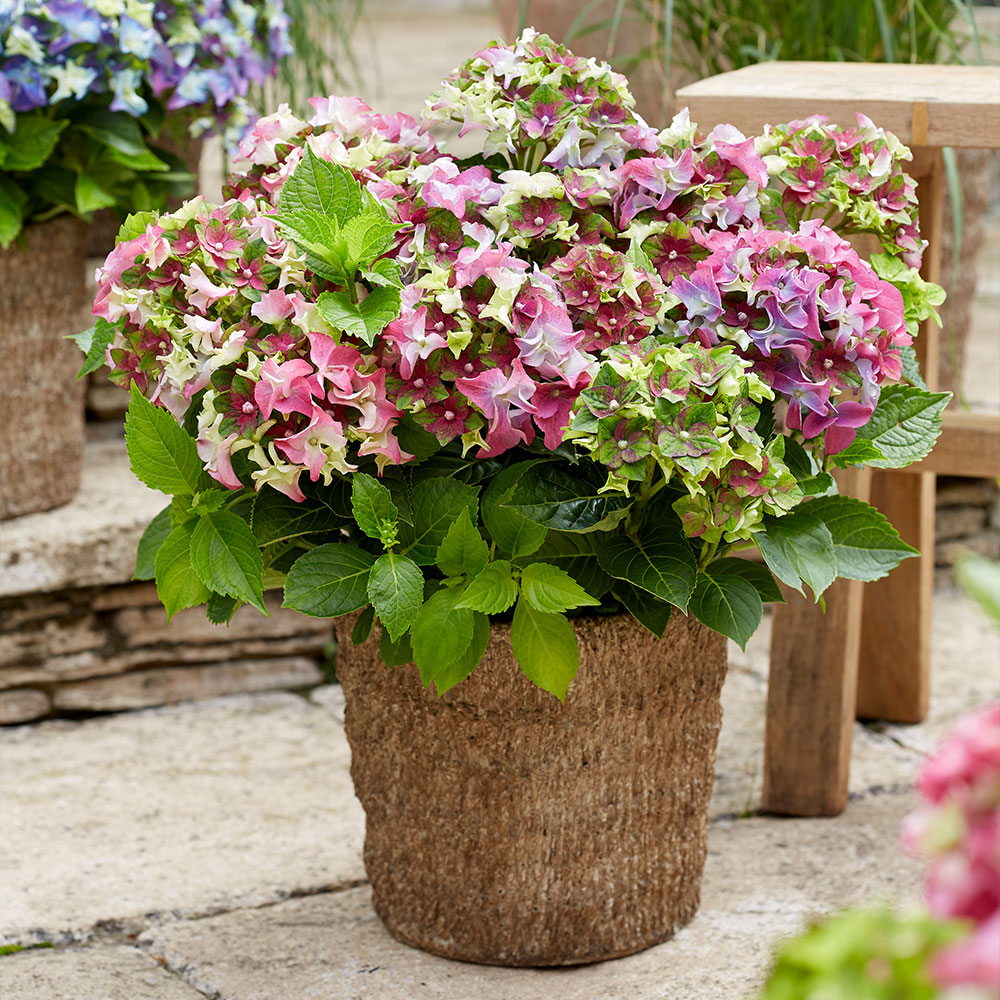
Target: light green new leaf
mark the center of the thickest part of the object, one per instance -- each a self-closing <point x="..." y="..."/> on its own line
<point x="574" y="552"/>
<point x="396" y="589"/>
<point x="329" y="581"/>
<point x="656" y="561"/>
<point x="463" y="549"/>
<point x="364" y="320"/>
<point x="90" y="196"/>
<point x="319" y="186"/>
<point x="177" y="584"/>
<point x="728" y="603"/>
<point x="368" y="236"/>
<point x="492" y="591"/>
<point x="866" y="545"/>
<point x="545" y="647"/>
<point x="225" y="556"/>
<point x="374" y="511"/>
<point x="441" y="633"/>
<point x="10" y="213"/>
<point x="446" y="678"/>
<point x="547" y="588"/>
<point x="153" y="537"/>
<point x="160" y="453"/>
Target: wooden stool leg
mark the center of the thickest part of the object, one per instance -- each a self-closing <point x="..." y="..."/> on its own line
<point x="811" y="691"/>
<point x="894" y="677"/>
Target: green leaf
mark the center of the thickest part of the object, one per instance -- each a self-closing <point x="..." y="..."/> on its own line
<point x="911" y="367"/>
<point x="11" y="219"/>
<point x="565" y="498"/>
<point x="511" y="530"/>
<point x="135" y="225"/>
<point x="160" y="454"/>
<point x="866" y="545"/>
<point x="32" y="142"/>
<point x="114" y="130"/>
<point x="395" y="654"/>
<point x="858" y="452"/>
<point x="152" y="538"/>
<point x="224" y="554"/>
<point x="90" y="196"/>
<point x="368" y="236"/>
<point x="374" y="511"/>
<point x="728" y="603"/>
<point x="220" y="608"/>
<point x="753" y="572"/>
<point x="648" y="611"/>
<point x="145" y="162"/>
<point x="396" y="589"/>
<point x="548" y="588"/>
<point x="545" y="647"/>
<point x="365" y="319"/>
<point x="177" y="584"/>
<point x="319" y="186"/>
<point x="94" y="342"/>
<point x="492" y="591"/>
<point x="277" y="518"/>
<point x="905" y="425"/>
<point x="329" y="581"/>
<point x="363" y="626"/>
<point x="657" y="561"/>
<point x="436" y="504"/>
<point x="574" y="552"/>
<point x="799" y="549"/>
<point x="455" y="673"/>
<point x="463" y="549"/>
<point x="441" y="633"/>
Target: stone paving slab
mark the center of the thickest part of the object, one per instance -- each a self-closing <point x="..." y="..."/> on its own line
<point x="116" y="973"/>
<point x="332" y="946"/>
<point x="186" y="810"/>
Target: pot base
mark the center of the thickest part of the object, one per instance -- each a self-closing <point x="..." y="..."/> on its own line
<point x="507" y="829"/>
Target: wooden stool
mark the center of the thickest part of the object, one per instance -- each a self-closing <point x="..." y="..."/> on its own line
<point x="869" y="656"/>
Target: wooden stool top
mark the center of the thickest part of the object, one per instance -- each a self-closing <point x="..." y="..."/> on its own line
<point x="924" y="105"/>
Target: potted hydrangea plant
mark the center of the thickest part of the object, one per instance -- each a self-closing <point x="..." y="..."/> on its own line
<point x="510" y="419"/>
<point x="88" y="93"/>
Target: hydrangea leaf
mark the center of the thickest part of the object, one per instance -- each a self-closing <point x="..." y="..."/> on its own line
<point x="395" y="654"/>
<point x="548" y="588"/>
<point x="905" y="425"/>
<point x="375" y="513"/>
<point x="220" y="608"/>
<point x="160" y="453"/>
<point x="365" y="319"/>
<point x="567" y="499"/>
<point x="798" y="548"/>
<point x="117" y="131"/>
<point x="153" y="537"/>
<point x="322" y="187"/>
<point x="441" y="633"/>
<point x="278" y="518"/>
<point x="647" y="610"/>
<point x="463" y="549"/>
<point x="753" y="572"/>
<point x="396" y="589"/>
<point x="866" y="545"/>
<point x="575" y="552"/>
<point x="727" y="603"/>
<point x="90" y="196"/>
<point x="177" y="584"/>
<point x="446" y="678"/>
<point x="436" y="503"/>
<point x="363" y="626"/>
<point x="94" y="342"/>
<point x="492" y="591"/>
<point x="11" y="218"/>
<point x="225" y="556"/>
<point x="655" y="560"/>
<point x="545" y="647"/>
<point x="511" y="530"/>
<point x="32" y="142"/>
<point x="329" y="581"/>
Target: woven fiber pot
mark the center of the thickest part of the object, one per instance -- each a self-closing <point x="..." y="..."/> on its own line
<point x="43" y="299"/>
<point x="506" y="828"/>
